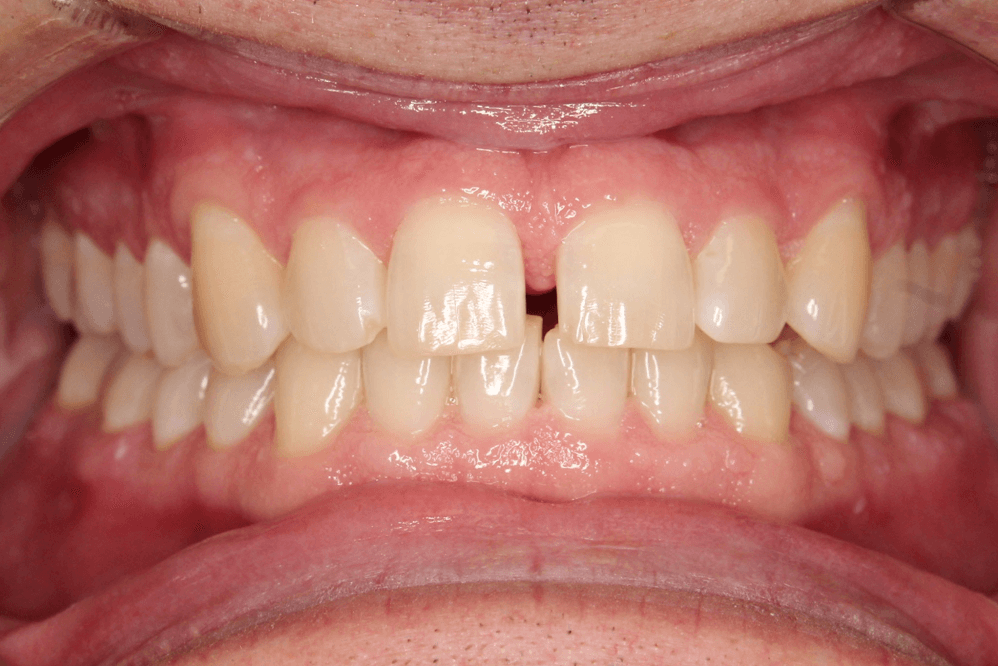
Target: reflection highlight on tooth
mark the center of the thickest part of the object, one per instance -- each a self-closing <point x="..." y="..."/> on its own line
<point x="130" y="395"/>
<point x="84" y="368"/>
<point x="888" y="304"/>
<point x="169" y="305"/>
<point x="585" y="384"/>
<point x="94" y="287"/>
<point x="671" y="386"/>
<point x="129" y="300"/>
<point x="901" y="387"/>
<point x="234" y="405"/>
<point x="179" y="404"/>
<point x="750" y="387"/>
<point x="57" y="268"/>
<point x="819" y="390"/>
<point x="866" y="401"/>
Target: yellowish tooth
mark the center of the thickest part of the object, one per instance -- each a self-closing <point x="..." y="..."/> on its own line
<point x="750" y="386"/>
<point x="179" y="405"/>
<point x="671" y="386"/>
<point x="334" y="288"/>
<point x="586" y="384"/>
<point x="866" y="401"/>
<point x="888" y="304"/>
<point x="130" y="395"/>
<point x="741" y="287"/>
<point x="496" y="389"/>
<point x="169" y="305"/>
<point x="315" y="396"/>
<point x="234" y="405"/>
<point x="129" y="301"/>
<point x="94" y="287"/>
<point x="901" y="386"/>
<point x="84" y="368"/>
<point x="919" y="293"/>
<point x="820" y="391"/>
<point x="237" y="291"/>
<point x="455" y="281"/>
<point x="944" y="264"/>
<point x="969" y="244"/>
<point x="937" y="370"/>
<point x="57" y="269"/>
<point x="829" y="282"/>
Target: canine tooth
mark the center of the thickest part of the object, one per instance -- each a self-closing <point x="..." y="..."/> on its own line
<point x="129" y="279"/>
<point x="741" y="287"/>
<point x="130" y="395"/>
<point x="57" y="269"/>
<point x="919" y="293"/>
<point x="902" y="389"/>
<point x="586" y="384"/>
<point x="237" y="291"/>
<point x="234" y="405"/>
<point x="829" y="282"/>
<point x="866" y="401"/>
<point x="937" y="370"/>
<point x="497" y="389"/>
<point x="334" y="288"/>
<point x="179" y="405"/>
<point x="625" y="280"/>
<point x="455" y="281"/>
<point x="94" y="286"/>
<point x="969" y="244"/>
<point x="169" y="305"/>
<point x="944" y="263"/>
<point x="750" y="386"/>
<point x="671" y="386"/>
<point x="819" y="391"/>
<point x="316" y="393"/>
<point x="404" y="395"/>
<point x="888" y="304"/>
<point x="84" y="369"/>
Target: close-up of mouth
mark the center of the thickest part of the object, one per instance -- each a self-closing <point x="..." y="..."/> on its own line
<point x="502" y="343"/>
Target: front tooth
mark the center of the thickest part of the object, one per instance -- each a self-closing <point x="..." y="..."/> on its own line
<point x="919" y="293"/>
<point x="586" y="384"/>
<point x="969" y="244"/>
<point x="625" y="280"/>
<point x="94" y="286"/>
<point x="404" y="395"/>
<point x="750" y="386"/>
<point x="57" y="269"/>
<point x="84" y="369"/>
<point x="129" y="280"/>
<point x="741" y="287"/>
<point x="234" y="405"/>
<point x="316" y="393"/>
<point x="237" y="291"/>
<point x="819" y="391"/>
<point x="944" y="263"/>
<point x="496" y="389"/>
<point x="129" y="397"/>
<point x="902" y="389"/>
<point x="866" y="401"/>
<point x="937" y="371"/>
<point x="179" y="405"/>
<point x="671" y="386"/>
<point x="829" y="282"/>
<point x="888" y="304"/>
<point x="169" y="305"/>
<point x="455" y="281"/>
<point x="333" y="288"/>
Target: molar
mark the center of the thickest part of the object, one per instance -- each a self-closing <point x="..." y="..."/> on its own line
<point x="888" y="304"/>
<point x="179" y="405"/>
<point x="901" y="386"/>
<point x="234" y="405"/>
<point x="936" y="370"/>
<point x="57" y="268"/>
<point x="671" y="386"/>
<point x="129" y="278"/>
<point x="94" y="287"/>
<point x="586" y="384"/>
<point x="750" y="387"/>
<point x="83" y="370"/>
<point x="919" y="293"/>
<point x="820" y="392"/>
<point x="129" y="397"/>
<point x="169" y="305"/>
<point x="866" y="400"/>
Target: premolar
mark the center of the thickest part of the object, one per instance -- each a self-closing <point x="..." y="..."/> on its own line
<point x="866" y="400"/>
<point x="179" y="405"/>
<point x="57" y="269"/>
<point x="888" y="304"/>
<point x="586" y="384"/>
<point x="750" y="386"/>
<point x="129" y="398"/>
<point x="944" y="264"/>
<point x="671" y="386"/>
<point x="84" y="368"/>
<point x="936" y="370"/>
<point x="169" y="305"/>
<point x="234" y="405"/>
<point x="94" y="287"/>
<point x="902" y="389"/>
<point x="919" y="293"/>
<point x="129" y="303"/>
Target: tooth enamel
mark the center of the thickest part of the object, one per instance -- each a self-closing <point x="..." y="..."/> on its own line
<point x="944" y="263"/>
<point x="496" y="389"/>
<point x="57" y="269"/>
<point x="455" y="281"/>
<point x="234" y="405"/>
<point x="179" y="405"/>
<point x="84" y="369"/>
<point x="333" y="288"/>
<point x="829" y="282"/>
<point x="316" y="394"/>
<point x="750" y="387"/>
<point x="936" y="370"/>
<point x="129" y="304"/>
<point x="237" y="291"/>
<point x="741" y="288"/>
<point x="901" y="387"/>
<point x="919" y="293"/>
<point x="404" y="395"/>
<point x="94" y="287"/>
<point x="130" y="395"/>
<point x="969" y="244"/>
<point x="586" y="384"/>
<point x="671" y="386"/>
<point x="866" y="401"/>
<point x="169" y="305"/>
<point x="888" y="304"/>
<point x="625" y="280"/>
<point x="819" y="391"/>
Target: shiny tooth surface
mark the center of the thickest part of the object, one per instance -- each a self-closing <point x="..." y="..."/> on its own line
<point x="625" y="280"/>
<point x="84" y="369"/>
<point x="496" y="389"/>
<point x="919" y="293"/>
<point x="315" y="395"/>
<point x="237" y="291"/>
<point x="866" y="400"/>
<point x="829" y="282"/>
<point x="819" y="390"/>
<point x="234" y="405"/>
<point x="169" y="305"/>
<point x="57" y="269"/>
<point x="750" y="386"/>
<point x="404" y="395"/>
<point x="936" y="370"/>
<point x="129" y="301"/>
<point x="741" y="287"/>
<point x="888" y="304"/>
<point x="179" y="404"/>
<point x="94" y="287"/>
<point x="671" y="386"/>
<point x="944" y="263"/>
<point x="334" y="288"/>
<point x="901" y="386"/>
<point x="130" y="395"/>
<point x="455" y="281"/>
<point x="969" y="244"/>
<point x="586" y="384"/>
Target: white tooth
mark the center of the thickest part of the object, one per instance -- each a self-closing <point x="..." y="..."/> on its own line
<point x="315" y="396"/>
<point x="234" y="405"/>
<point x="404" y="395"/>
<point x="586" y="384"/>
<point x="866" y="401"/>
<point x="944" y="264"/>
<point x="937" y="370"/>
<point x="671" y="386"/>
<point x="129" y="282"/>
<point x="94" y="287"/>
<point x="902" y="389"/>
<point x="237" y="291"/>
<point x="57" y="269"/>
<point x="179" y="405"/>
<point x="750" y="386"/>
<point x="455" y="281"/>
<point x="625" y="280"/>
<point x="496" y="389"/>
<point x="334" y="288"/>
<point x="829" y="282"/>
<point x="969" y="244"/>
<point x="741" y="287"/>
<point x="888" y="304"/>
<point x="84" y="369"/>
<point x="169" y="305"/>
<point x="819" y="391"/>
<point x="919" y="293"/>
<point x="130" y="394"/>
